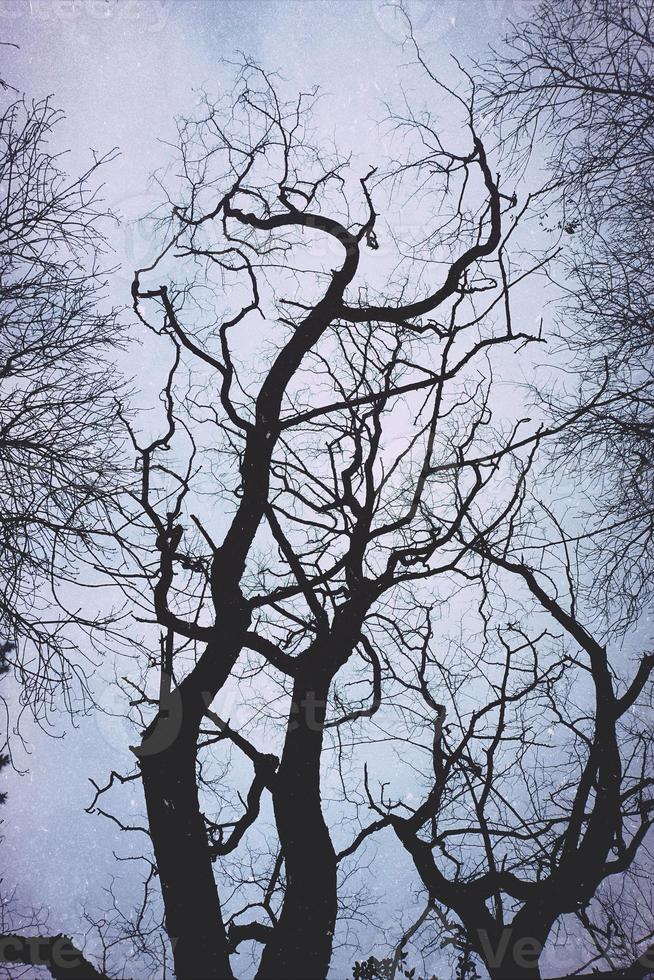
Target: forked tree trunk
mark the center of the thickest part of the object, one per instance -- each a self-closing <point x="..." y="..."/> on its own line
<point x="514" y="953"/>
<point x="509" y="969"/>
<point x="301" y="945"/>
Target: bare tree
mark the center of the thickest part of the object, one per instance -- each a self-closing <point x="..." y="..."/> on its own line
<point x="57" y="444"/>
<point x="577" y="79"/>
<point x="577" y="75"/>
<point x="541" y="788"/>
<point x="332" y="470"/>
<point x="329" y="518"/>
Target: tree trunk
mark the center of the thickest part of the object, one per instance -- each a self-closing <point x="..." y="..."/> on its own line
<point x="301" y="945"/>
<point x="193" y="916"/>
<point x="510" y="970"/>
<point x="167" y="756"/>
<point x="510" y="953"/>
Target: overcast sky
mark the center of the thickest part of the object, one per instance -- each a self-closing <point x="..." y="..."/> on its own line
<point x="122" y="70"/>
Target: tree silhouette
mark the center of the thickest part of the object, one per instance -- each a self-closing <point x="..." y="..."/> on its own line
<point x="541" y="789"/>
<point x="336" y="532"/>
<point x="56" y="434"/>
<point x="576" y="79"/>
<point x="330" y="519"/>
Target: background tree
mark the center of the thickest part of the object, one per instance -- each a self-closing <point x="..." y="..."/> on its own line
<point x="57" y="443"/>
<point x="57" y="446"/>
<point x="542" y="781"/>
<point x="577" y="79"/>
